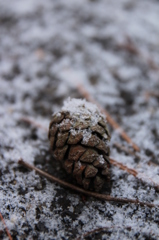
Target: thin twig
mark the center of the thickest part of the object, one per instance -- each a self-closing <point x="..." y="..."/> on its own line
<point x="121" y="166"/>
<point x="112" y="122"/>
<point x="151" y="163"/>
<point x="91" y="194"/>
<point x="129" y="46"/>
<point x="104" y="229"/>
<point x="124" y="149"/>
<point x="133" y="172"/>
<point x="7" y="231"/>
<point x="151" y="94"/>
<point x="30" y="121"/>
<point x="97" y="230"/>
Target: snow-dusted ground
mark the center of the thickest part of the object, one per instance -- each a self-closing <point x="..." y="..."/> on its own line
<point x="46" y="47"/>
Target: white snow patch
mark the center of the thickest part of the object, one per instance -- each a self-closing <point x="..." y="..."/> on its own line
<point x="83" y="109"/>
<point x="101" y="159"/>
<point x="86" y="136"/>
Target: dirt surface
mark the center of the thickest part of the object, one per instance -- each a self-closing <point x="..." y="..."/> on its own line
<point x="46" y="48"/>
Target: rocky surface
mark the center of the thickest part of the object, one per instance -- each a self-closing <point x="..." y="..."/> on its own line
<point x="46" y="48"/>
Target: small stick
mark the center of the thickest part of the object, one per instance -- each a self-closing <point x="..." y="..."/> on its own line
<point x="151" y="94"/>
<point x="98" y="230"/>
<point x="152" y="163"/>
<point x="7" y="231"/>
<point x="123" y="167"/>
<point x="28" y="120"/>
<point x="129" y="46"/>
<point x="91" y="194"/>
<point x="113" y="123"/>
<point x="133" y="172"/>
<point x="124" y="149"/>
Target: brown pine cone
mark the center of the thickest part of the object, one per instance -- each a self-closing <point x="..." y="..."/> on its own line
<point x="79" y="140"/>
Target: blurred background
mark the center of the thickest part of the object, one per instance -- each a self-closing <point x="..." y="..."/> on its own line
<point x="48" y="48"/>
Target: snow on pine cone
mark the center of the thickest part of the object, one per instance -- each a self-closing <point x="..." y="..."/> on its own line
<point x="79" y="140"/>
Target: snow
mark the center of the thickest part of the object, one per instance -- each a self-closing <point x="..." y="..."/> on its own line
<point x="101" y="159"/>
<point x="47" y="49"/>
<point x="80" y="108"/>
<point x="86" y="136"/>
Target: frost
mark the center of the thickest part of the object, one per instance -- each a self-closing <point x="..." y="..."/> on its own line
<point x="101" y="159"/>
<point x="71" y="209"/>
<point x="47" y="49"/>
<point x="79" y="163"/>
<point x="58" y="114"/>
<point x="80" y="108"/>
<point x="86" y="136"/>
<point x="74" y="132"/>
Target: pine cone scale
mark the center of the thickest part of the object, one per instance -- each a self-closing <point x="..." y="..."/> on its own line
<point x="92" y="141"/>
<point x="65" y="125"/>
<point x="90" y="171"/>
<point x="101" y="146"/>
<point x="59" y="153"/>
<point x="61" y="139"/>
<point x="74" y="138"/>
<point x="68" y="166"/>
<point x="76" y="152"/>
<point x="89" y="156"/>
<point x="77" y="172"/>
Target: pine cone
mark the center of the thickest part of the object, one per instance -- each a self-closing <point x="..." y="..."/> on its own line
<point x="79" y="140"/>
